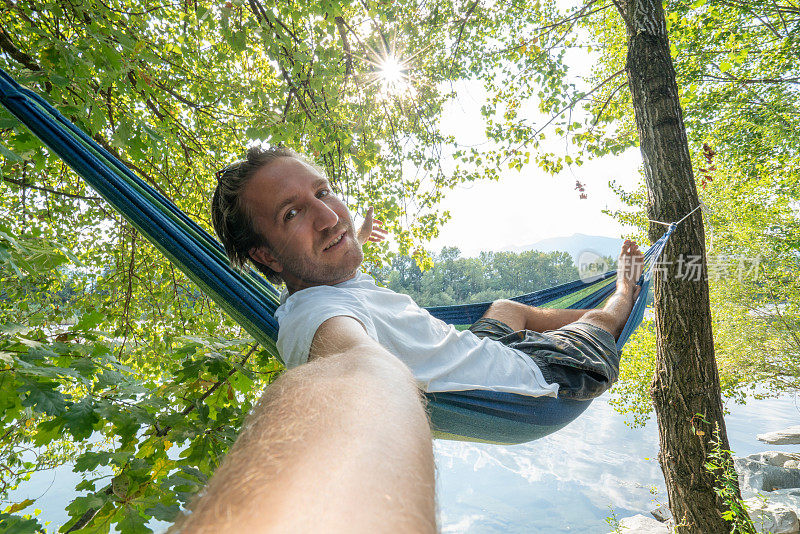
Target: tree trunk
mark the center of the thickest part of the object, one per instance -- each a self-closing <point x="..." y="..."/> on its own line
<point x="685" y="389"/>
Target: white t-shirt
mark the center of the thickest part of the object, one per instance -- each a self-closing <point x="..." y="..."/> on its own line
<point x="440" y="357"/>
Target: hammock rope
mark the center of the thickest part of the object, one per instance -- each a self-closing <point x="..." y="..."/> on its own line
<point x="251" y="301"/>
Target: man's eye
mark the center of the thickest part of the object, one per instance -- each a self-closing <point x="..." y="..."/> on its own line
<point x="290" y="215"/>
<point x="323" y="193"/>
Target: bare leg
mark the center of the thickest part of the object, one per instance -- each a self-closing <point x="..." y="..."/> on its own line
<point x="520" y="316"/>
<point x="614" y="315"/>
<point x="611" y="318"/>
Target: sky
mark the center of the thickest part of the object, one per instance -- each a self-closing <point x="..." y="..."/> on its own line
<point x="529" y="205"/>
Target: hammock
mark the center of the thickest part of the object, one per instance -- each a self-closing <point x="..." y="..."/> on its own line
<point x="250" y="300"/>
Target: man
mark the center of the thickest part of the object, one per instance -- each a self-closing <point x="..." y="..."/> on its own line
<point x="278" y="212"/>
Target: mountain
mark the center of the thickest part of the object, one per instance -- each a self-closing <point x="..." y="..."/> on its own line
<point x="575" y="245"/>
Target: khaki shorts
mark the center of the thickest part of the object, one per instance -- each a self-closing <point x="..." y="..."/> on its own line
<point x="580" y="357"/>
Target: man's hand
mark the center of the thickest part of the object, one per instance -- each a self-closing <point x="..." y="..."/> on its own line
<point x="371" y="229"/>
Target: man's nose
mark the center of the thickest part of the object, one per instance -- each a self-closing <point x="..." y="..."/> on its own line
<point x="324" y="216"/>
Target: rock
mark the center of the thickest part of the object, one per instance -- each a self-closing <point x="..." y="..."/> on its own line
<point x="788" y="498"/>
<point x="755" y="476"/>
<point x="662" y="513"/>
<point x="772" y="517"/>
<point x="787" y="436"/>
<point x="641" y="524"/>
<point x="778" y="459"/>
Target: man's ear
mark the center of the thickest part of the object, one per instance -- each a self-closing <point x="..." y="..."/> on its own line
<point x="263" y="256"/>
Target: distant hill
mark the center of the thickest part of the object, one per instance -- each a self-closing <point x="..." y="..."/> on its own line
<point x="574" y="245"/>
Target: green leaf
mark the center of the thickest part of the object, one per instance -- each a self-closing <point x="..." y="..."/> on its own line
<point x="89" y="461"/>
<point x="10" y="122"/>
<point x="120" y="485"/>
<point x="59" y="80"/>
<point x="89" y="320"/>
<point x="13" y="328"/>
<point x="153" y="134"/>
<point x="10" y="524"/>
<point x="47" y="432"/>
<point x="239" y="40"/>
<point x="131" y="521"/>
<point x="83" y="503"/>
<point x="43" y="397"/>
<point x="80" y="418"/>
<point x="163" y="512"/>
<point x="9" y="155"/>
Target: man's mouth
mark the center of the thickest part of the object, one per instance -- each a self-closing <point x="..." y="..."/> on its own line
<point x="335" y="241"/>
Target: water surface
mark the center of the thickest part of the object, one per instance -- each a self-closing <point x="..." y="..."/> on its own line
<point x="575" y="479"/>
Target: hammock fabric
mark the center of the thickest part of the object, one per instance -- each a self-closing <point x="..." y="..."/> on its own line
<point x="251" y="301"/>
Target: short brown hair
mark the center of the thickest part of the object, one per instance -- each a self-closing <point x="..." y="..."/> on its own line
<point x="232" y="220"/>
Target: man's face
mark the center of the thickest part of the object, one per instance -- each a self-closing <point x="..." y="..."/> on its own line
<point x="310" y="231"/>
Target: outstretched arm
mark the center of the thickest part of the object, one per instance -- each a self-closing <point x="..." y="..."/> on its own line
<point x="340" y="444"/>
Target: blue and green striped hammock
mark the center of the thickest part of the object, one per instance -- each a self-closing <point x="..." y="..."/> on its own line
<point x="251" y="301"/>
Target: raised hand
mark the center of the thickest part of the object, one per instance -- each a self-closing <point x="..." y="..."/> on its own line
<point x="371" y="229"/>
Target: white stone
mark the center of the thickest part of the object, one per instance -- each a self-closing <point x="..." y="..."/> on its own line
<point x="772" y="517"/>
<point x="778" y="459"/>
<point x="756" y="476"/>
<point x="787" y="436"/>
<point x="788" y="498"/>
<point x="641" y="524"/>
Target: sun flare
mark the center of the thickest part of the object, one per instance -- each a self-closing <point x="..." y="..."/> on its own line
<point x="392" y="71"/>
<point x="393" y="75"/>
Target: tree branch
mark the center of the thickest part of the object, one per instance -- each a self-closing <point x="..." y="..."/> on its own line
<point x="341" y="26"/>
<point x="20" y="183"/>
<point x="460" y="35"/>
<point x="733" y="79"/>
<point x="572" y="103"/>
<point x="7" y="45"/>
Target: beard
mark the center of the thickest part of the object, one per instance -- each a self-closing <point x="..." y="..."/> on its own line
<point x="316" y="273"/>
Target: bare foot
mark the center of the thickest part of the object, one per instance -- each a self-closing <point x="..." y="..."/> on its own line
<point x="629" y="268"/>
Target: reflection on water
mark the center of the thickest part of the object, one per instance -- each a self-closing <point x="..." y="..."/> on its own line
<point x="571" y="481"/>
<point x="567" y="482"/>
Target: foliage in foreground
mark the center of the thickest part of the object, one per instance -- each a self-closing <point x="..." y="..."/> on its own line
<point x="720" y="463"/>
<point x="145" y="431"/>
